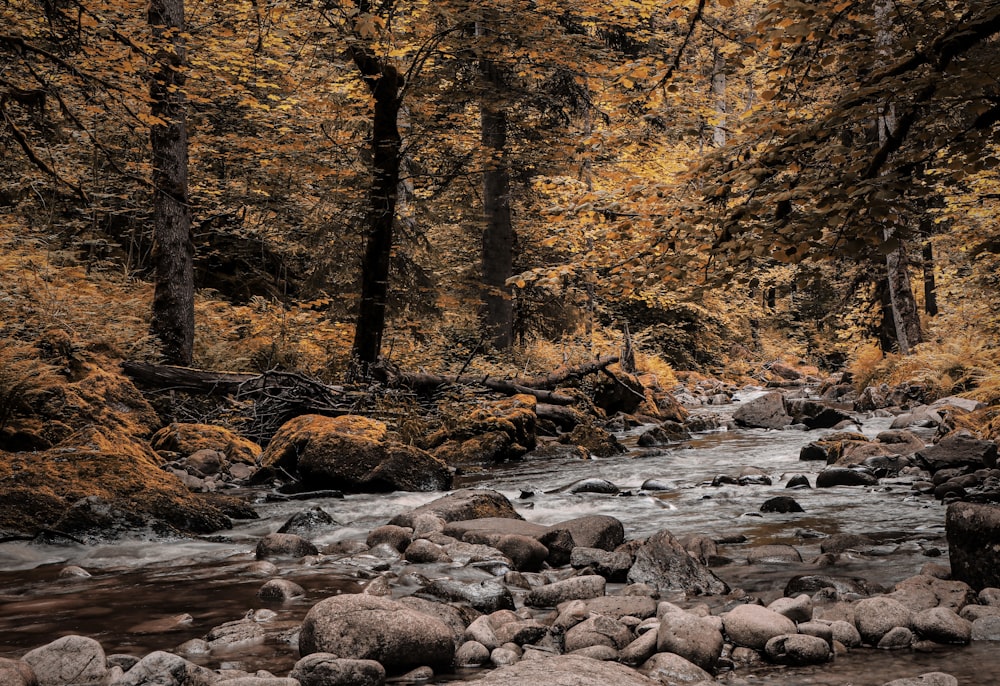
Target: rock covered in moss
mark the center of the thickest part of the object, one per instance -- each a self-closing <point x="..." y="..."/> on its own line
<point x="352" y="453"/>
<point x="188" y="439"/>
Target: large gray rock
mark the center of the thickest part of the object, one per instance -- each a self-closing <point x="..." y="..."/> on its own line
<point x="752" y="626"/>
<point x="797" y="649"/>
<point x="593" y="531"/>
<point x="958" y="451"/>
<point x="575" y="588"/>
<point x="565" y="670"/>
<point x="284" y="545"/>
<point x="691" y="637"/>
<point x="768" y="411"/>
<point x="326" y="669"/>
<point x="612" y="566"/>
<point x="468" y="503"/>
<point x="929" y="679"/>
<point x="843" y="476"/>
<point x="661" y="561"/>
<point x="673" y="670"/>
<point x="973" y="533"/>
<point x="942" y="625"/>
<point x="165" y="669"/>
<point x="875" y="617"/>
<point x="598" y="630"/>
<point x="74" y="660"/>
<point x="486" y="596"/>
<point x="364" y="627"/>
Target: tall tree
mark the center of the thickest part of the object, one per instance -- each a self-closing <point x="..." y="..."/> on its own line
<point x="498" y="233"/>
<point x="173" y="296"/>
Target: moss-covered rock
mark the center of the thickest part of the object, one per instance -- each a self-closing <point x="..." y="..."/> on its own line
<point x="352" y="453"/>
<point x="188" y="439"/>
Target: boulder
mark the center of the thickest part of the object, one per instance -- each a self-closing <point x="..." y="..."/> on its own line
<point x="468" y="503"/>
<point x="280" y="590"/>
<point x="815" y="415"/>
<point x="842" y="476"/>
<point x="597" y="630"/>
<point x="575" y="588"/>
<point x="612" y="566"/>
<point x="188" y="439"/>
<point x="326" y="669"/>
<point x="798" y="609"/>
<point x="986" y="629"/>
<point x="973" y="533"/>
<point x="566" y="670"/>
<point x="928" y="679"/>
<point x="471" y="654"/>
<point x="958" y="451"/>
<point x="352" y="453"/>
<point x="364" y="627"/>
<point x="673" y="670"/>
<point x="67" y="660"/>
<point x="618" y="606"/>
<point x="773" y="554"/>
<point x="165" y="669"/>
<point x="941" y="625"/>
<point x="486" y="596"/>
<point x="752" y="626"/>
<point x="875" y="617"/>
<point x="765" y="412"/>
<point x="593" y="531"/>
<point x="597" y="441"/>
<point x="308" y="521"/>
<point x="691" y="637"/>
<point x="662" y="562"/>
<point x="284" y="545"/>
<point x="781" y="504"/>
<point x="797" y="649"/>
<point x="663" y="434"/>
<point x="500" y="431"/>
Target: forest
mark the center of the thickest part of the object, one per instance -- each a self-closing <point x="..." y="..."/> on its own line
<point x="440" y="237"/>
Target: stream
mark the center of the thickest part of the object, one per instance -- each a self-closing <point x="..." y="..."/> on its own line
<point x="134" y="583"/>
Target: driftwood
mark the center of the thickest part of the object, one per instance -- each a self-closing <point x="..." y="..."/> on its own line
<point x="540" y="386"/>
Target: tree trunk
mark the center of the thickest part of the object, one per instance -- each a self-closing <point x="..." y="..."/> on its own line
<point x="173" y="255"/>
<point x="905" y="315"/>
<point x="930" y="282"/>
<point x="385" y="84"/>
<point x="498" y="234"/>
<point x="719" y="93"/>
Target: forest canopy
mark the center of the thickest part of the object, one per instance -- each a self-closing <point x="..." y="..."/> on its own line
<point x="320" y="184"/>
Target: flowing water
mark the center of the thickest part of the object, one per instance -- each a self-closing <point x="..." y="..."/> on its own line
<point x="138" y="582"/>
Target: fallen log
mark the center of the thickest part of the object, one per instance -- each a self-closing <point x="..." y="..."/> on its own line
<point x="540" y="387"/>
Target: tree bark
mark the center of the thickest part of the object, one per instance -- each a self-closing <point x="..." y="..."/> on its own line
<point x="498" y="235"/>
<point x="385" y="84"/>
<point x="173" y="253"/>
<point x="719" y="93"/>
<point x="930" y="282"/>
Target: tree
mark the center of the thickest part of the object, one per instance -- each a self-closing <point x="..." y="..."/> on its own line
<point x="173" y="296"/>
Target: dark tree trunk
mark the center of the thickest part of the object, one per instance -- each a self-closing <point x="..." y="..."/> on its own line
<point x="173" y="294"/>
<point x="385" y="84"/>
<point x="886" y="325"/>
<point x="930" y="283"/>
<point x="905" y="314"/>
<point x="498" y="234"/>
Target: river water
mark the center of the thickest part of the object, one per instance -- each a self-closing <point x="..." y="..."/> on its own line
<point x="137" y="582"/>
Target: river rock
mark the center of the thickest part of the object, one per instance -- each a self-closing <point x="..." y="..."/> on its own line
<point x="612" y="566"/>
<point x="594" y="485"/>
<point x="263" y="680"/>
<point x="592" y="531"/>
<point x="280" y="590"/>
<point x="397" y="537"/>
<point x="238" y="634"/>
<point x="875" y="617"/>
<point x="673" y="670"/>
<point x="782" y="504"/>
<point x="662" y="562"/>
<point x="471" y="654"/>
<point x="68" y="660"/>
<point x="973" y="533"/>
<point x="165" y="669"/>
<point x="580" y="587"/>
<point x="326" y="669"/>
<point x="942" y="625"/>
<point x="308" y="522"/>
<point x="818" y="629"/>
<point x="486" y="596"/>
<point x="798" y="609"/>
<point x="597" y="630"/>
<point x="842" y="476"/>
<point x="481" y="630"/>
<point x="520" y="632"/>
<point x="617" y="606"/>
<point x="901" y="441"/>
<point x="640" y="649"/>
<point x="352" y="453"/>
<point x="846" y="633"/>
<point x="565" y="670"/>
<point x="597" y="441"/>
<point x="797" y="649"/>
<point x="423" y="551"/>
<point x="958" y="451"/>
<point x="363" y="627"/>
<point x="815" y="415"/>
<point x="753" y="626"/>
<point x="16" y="673"/>
<point x="929" y="679"/>
<point x="284" y="545"/>
<point x="768" y="411"/>
<point x="468" y="503"/>
<point x="691" y="637"/>
<point x="663" y="434"/>
<point x="986" y="629"/>
<point x="897" y="638"/>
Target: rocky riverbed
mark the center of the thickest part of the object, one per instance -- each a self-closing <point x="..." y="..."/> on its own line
<point x="693" y="563"/>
